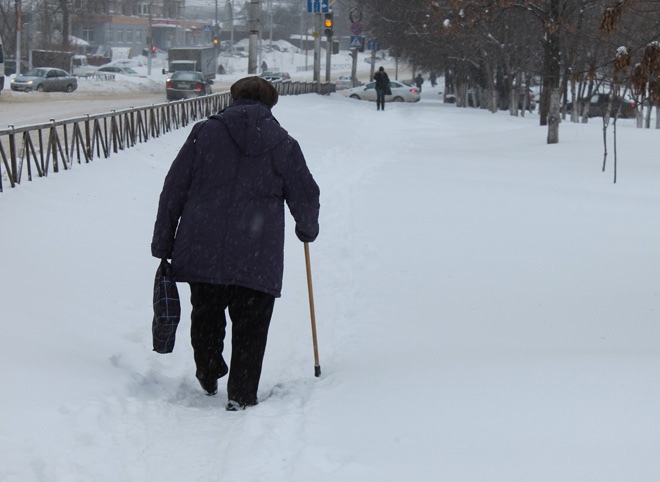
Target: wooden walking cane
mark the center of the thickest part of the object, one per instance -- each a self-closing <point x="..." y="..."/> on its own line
<point x="317" y="366"/>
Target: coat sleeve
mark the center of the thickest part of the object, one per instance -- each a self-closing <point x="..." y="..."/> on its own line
<point x="173" y="198"/>
<point x="301" y="194"/>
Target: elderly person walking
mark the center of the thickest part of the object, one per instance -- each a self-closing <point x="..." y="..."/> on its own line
<point x="221" y="222"/>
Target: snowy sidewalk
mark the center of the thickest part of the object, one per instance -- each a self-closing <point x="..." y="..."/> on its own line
<point x="487" y="310"/>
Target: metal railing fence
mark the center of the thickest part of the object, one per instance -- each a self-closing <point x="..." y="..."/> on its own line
<point x="55" y="145"/>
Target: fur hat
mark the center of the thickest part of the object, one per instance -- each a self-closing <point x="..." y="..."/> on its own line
<point x="254" y="88"/>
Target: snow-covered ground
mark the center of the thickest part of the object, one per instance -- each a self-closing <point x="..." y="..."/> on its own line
<point x="487" y="309"/>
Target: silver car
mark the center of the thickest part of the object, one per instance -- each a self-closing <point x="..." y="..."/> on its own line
<point x="400" y="92"/>
<point x="45" y="79"/>
<point x="344" y="82"/>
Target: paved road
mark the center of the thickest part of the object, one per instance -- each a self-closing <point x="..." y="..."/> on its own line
<point x="25" y="108"/>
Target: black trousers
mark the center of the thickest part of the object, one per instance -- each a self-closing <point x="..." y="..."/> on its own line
<point x="250" y="312"/>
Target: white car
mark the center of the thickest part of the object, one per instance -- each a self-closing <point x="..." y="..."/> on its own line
<point x="400" y="92"/>
<point x="126" y="63"/>
<point x="116" y="69"/>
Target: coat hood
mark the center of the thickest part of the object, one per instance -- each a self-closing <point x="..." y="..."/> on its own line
<point x="252" y="127"/>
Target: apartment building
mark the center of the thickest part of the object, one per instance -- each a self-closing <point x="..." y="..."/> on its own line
<point x="135" y="26"/>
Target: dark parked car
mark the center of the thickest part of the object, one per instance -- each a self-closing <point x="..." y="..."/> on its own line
<point x="599" y="103"/>
<point x="45" y="79"/>
<point x="186" y="84"/>
<point x="10" y="66"/>
<point x="275" y="76"/>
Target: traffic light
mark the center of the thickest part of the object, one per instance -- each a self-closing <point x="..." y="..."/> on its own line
<point x="153" y="48"/>
<point x="328" y="23"/>
<point x="215" y="40"/>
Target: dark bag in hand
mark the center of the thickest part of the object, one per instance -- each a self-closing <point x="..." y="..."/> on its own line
<point x="167" y="309"/>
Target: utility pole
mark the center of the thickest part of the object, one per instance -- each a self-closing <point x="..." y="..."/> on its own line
<point x="253" y="23"/>
<point x="328" y="58"/>
<point x="215" y="27"/>
<point x="318" y="22"/>
<point x="354" y="56"/>
<point x="373" y="64"/>
<point x="150" y="41"/>
<point x="216" y="31"/>
<point x="28" y="45"/>
<point x="19" y="31"/>
<point x="270" y="22"/>
<point x="328" y="24"/>
<point x="231" y="20"/>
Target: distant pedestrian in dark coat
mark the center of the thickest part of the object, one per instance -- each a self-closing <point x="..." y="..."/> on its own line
<point x="221" y="221"/>
<point x="419" y="80"/>
<point x="433" y="79"/>
<point x="382" y="88"/>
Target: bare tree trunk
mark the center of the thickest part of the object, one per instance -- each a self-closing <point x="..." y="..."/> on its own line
<point x="64" y="6"/>
<point x="571" y="55"/>
<point x="461" y="93"/>
<point x="554" y="116"/>
<point x="449" y="83"/>
<point x="491" y="96"/>
<point x="575" y="113"/>
<point x="513" y="97"/>
<point x="587" y="104"/>
<point x="605" y="122"/>
<point x="488" y="99"/>
<point x="615" y="156"/>
<point x="549" y="112"/>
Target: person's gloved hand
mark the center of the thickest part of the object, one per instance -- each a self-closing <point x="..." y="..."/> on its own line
<point x="304" y="237"/>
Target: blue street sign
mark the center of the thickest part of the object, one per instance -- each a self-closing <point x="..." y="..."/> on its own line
<point x="207" y="28"/>
<point x="372" y="45"/>
<point x="318" y="6"/>
<point x="356" y="41"/>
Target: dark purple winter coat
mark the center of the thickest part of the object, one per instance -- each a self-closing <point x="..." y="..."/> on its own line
<point x="221" y="212"/>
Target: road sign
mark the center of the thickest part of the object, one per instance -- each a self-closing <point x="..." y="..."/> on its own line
<point x="355" y="15"/>
<point x="207" y="28"/>
<point x="356" y="41"/>
<point x="372" y="45"/>
<point x="318" y="6"/>
<point x="356" y="28"/>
